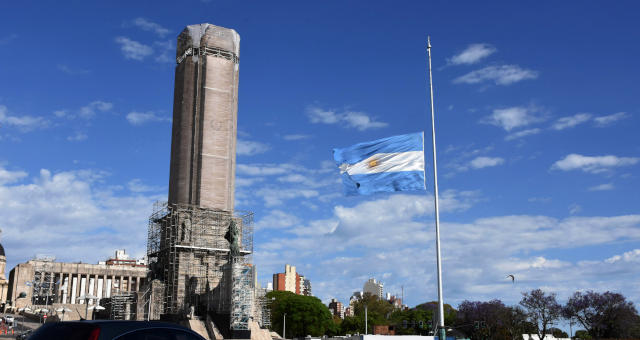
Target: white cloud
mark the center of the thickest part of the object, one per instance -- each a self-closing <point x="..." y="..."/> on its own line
<point x="7" y="177"/>
<point x="277" y="219"/>
<point x="610" y="119"/>
<point x="136" y="185"/>
<point x="60" y="113"/>
<point x="461" y="161"/>
<point x="72" y="71"/>
<point x="150" y="26"/>
<point x="277" y="196"/>
<point x="483" y="162"/>
<point x="602" y="187"/>
<point x="523" y="133"/>
<point x="358" y="120"/>
<point x="393" y="236"/>
<point x="139" y="118"/>
<point x="571" y="121"/>
<point x="250" y="148"/>
<point x="167" y="52"/>
<point x="296" y="137"/>
<point x="472" y="54"/>
<point x="74" y="215"/>
<point x="539" y="199"/>
<point x="630" y="256"/>
<point x="500" y="75"/>
<point x="133" y="49"/>
<point x="90" y="110"/>
<point x="245" y="182"/>
<point x="574" y="209"/>
<point x="515" y="117"/>
<point x="77" y="137"/>
<point x="262" y="169"/>
<point x="23" y="123"/>
<point x="593" y="164"/>
<point x="361" y="121"/>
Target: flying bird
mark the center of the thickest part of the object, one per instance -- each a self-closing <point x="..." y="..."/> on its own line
<point x="513" y="278"/>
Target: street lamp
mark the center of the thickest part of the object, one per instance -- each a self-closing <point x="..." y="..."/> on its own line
<point x="366" y="326"/>
<point x="63" y="310"/>
<point x="284" y="326"/>
<point x="21" y="310"/>
<point x="96" y="307"/>
<point x="86" y="299"/>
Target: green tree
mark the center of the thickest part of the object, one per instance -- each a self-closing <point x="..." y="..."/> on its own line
<point x="378" y="313"/>
<point x="411" y="321"/>
<point x="514" y="322"/>
<point x="582" y="334"/>
<point x="558" y="333"/>
<point x="306" y="315"/>
<point x="352" y="325"/>
<point x="450" y="314"/>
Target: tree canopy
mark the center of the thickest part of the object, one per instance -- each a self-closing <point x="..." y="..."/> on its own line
<point x="305" y="315"/>
<point x="604" y="315"/>
<point x="542" y="309"/>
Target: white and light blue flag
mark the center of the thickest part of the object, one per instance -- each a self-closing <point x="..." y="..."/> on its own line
<point x="384" y="165"/>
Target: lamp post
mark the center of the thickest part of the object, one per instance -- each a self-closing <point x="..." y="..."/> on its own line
<point x="63" y="310"/>
<point x="86" y="299"/>
<point x="284" y="326"/>
<point x="22" y="310"/>
<point x="366" y="326"/>
<point x="96" y="307"/>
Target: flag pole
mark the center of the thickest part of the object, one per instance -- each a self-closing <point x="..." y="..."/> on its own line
<point x="442" y="334"/>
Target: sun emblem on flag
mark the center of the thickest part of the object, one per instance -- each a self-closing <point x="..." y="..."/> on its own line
<point x="373" y="163"/>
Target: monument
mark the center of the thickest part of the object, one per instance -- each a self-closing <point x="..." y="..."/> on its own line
<point x="199" y="248"/>
<point x="205" y="110"/>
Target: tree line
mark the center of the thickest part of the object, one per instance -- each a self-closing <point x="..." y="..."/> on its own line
<point x="605" y="315"/>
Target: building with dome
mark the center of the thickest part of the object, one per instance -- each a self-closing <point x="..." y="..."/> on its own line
<point x="4" y="284"/>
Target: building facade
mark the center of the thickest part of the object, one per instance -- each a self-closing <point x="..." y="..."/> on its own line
<point x="45" y="282"/>
<point x="337" y="308"/>
<point x="373" y="287"/>
<point x="305" y="286"/>
<point x="291" y="281"/>
<point x="288" y="281"/>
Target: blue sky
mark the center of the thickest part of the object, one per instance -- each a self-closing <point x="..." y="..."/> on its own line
<point x="537" y="114"/>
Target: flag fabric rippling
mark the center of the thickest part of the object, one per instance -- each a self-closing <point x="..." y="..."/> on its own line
<point x="384" y="165"/>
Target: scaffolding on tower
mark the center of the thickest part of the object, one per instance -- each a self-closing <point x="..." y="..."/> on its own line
<point x="188" y="248"/>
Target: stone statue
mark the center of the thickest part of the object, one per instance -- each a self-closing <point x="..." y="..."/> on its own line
<point x="233" y="236"/>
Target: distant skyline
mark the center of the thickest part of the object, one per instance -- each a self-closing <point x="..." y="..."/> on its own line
<point x="537" y="117"/>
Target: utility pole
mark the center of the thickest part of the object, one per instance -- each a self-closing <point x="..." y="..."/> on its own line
<point x="284" y="326"/>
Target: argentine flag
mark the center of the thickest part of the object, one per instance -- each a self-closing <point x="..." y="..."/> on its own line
<point x="384" y="165"/>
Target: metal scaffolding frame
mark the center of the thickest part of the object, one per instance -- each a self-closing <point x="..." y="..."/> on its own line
<point x="43" y="284"/>
<point x="241" y="294"/>
<point x="123" y="306"/>
<point x="189" y="252"/>
<point x="262" y="307"/>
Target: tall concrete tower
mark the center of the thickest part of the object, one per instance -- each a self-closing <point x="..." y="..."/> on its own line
<point x="203" y="144"/>
<point x="199" y="248"/>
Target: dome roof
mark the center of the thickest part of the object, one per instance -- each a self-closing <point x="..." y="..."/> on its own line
<point x="2" y="250"/>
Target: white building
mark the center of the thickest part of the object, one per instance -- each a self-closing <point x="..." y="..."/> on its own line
<point x="374" y="288"/>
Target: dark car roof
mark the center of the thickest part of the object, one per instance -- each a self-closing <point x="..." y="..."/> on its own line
<point x="108" y="329"/>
